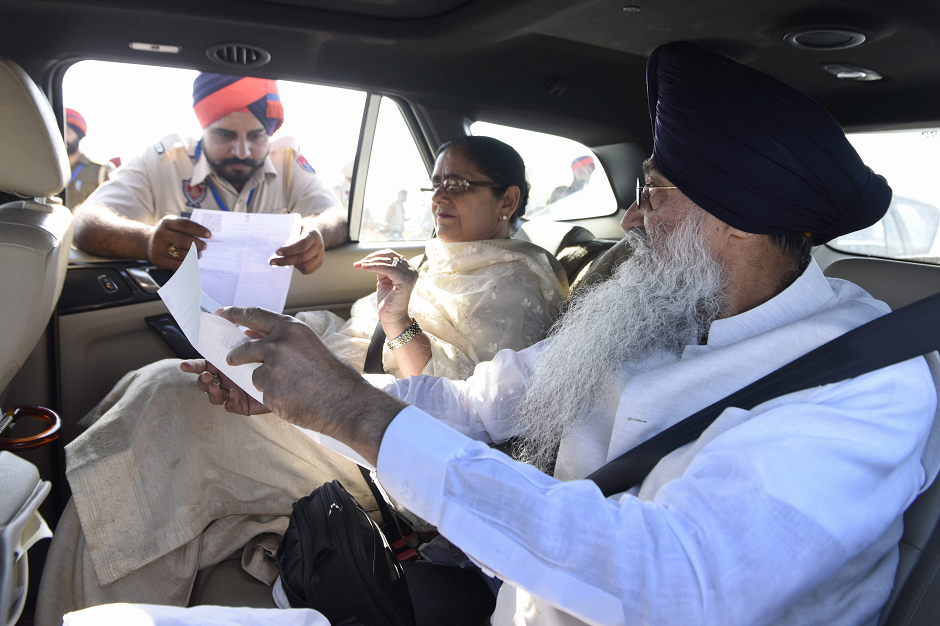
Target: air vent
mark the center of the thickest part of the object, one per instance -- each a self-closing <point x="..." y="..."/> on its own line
<point x="238" y="55"/>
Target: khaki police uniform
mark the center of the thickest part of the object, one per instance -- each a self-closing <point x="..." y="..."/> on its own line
<point x="87" y="175"/>
<point x="169" y="179"/>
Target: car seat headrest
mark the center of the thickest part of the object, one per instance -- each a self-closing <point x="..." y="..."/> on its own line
<point x="33" y="160"/>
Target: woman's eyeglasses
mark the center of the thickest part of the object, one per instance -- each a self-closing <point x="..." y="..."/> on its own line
<point x="458" y="186"/>
<point x="643" y="191"/>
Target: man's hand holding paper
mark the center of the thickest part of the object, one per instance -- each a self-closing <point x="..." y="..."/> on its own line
<point x="269" y="355"/>
<point x="305" y="384"/>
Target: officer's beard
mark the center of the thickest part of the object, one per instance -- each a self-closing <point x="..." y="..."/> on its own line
<point x="222" y="168"/>
<point x="664" y="297"/>
<point x="72" y="147"/>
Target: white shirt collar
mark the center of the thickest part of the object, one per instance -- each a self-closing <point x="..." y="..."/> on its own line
<point x="808" y="293"/>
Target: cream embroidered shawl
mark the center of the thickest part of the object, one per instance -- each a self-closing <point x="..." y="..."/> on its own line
<point x="472" y="299"/>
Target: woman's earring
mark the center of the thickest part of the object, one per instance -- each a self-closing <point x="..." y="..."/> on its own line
<point x="505" y="217"/>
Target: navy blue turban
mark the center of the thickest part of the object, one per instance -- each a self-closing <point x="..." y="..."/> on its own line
<point x="754" y="152"/>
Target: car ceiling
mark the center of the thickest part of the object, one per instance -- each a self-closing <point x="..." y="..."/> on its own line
<point x="506" y="61"/>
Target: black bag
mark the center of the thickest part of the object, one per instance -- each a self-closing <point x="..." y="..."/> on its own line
<point x="335" y="559"/>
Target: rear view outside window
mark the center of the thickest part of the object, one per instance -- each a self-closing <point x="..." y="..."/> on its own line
<point x="908" y="160"/>
<point x="567" y="181"/>
<point x="129" y="108"/>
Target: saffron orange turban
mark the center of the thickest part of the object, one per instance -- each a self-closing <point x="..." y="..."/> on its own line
<point x="218" y="95"/>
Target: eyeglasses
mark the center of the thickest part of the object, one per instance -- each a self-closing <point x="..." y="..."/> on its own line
<point x="643" y="191"/>
<point x="458" y="186"/>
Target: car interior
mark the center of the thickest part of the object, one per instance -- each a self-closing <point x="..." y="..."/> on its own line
<point x="74" y="324"/>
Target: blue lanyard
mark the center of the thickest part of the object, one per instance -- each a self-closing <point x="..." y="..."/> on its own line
<point x="76" y="172"/>
<point x="221" y="203"/>
<point x="215" y="194"/>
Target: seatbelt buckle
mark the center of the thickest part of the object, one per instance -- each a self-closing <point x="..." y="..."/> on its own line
<point x="408" y="555"/>
<point x="402" y="544"/>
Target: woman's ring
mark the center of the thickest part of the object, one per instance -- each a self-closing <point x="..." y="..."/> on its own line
<point x="173" y="251"/>
<point x="396" y="261"/>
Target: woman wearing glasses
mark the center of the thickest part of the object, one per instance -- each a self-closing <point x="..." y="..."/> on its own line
<point x="476" y="291"/>
<point x="165" y="485"/>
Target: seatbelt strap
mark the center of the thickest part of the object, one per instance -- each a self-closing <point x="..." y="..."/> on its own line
<point x="373" y="364"/>
<point x="907" y="333"/>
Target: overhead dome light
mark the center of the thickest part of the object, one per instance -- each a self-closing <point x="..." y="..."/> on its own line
<point x="825" y="39"/>
<point x="851" y="72"/>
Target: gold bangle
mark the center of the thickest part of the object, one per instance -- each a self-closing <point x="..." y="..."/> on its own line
<point x="413" y="331"/>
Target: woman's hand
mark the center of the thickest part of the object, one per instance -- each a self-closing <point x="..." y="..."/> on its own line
<point x="395" y="280"/>
<point x="221" y="390"/>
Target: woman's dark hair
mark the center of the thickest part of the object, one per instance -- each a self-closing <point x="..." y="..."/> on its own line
<point x="498" y="161"/>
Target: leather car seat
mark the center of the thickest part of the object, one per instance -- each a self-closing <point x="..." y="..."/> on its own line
<point x="35" y="229"/>
<point x="574" y="246"/>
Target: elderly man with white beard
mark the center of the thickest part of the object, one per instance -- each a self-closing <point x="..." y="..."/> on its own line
<point x="788" y="513"/>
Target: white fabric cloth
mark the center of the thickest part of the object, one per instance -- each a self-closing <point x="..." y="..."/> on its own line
<point x="153" y="615"/>
<point x="167" y="179"/>
<point x="472" y="299"/>
<point x="785" y="514"/>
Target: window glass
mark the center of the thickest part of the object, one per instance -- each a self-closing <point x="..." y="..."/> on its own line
<point x="908" y="160"/>
<point x="394" y="208"/>
<point x="130" y="107"/>
<point x="567" y="181"/>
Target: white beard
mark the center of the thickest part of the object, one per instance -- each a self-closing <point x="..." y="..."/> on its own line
<point x="664" y="297"/>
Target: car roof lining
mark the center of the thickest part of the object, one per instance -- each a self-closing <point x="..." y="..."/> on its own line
<point x="497" y="60"/>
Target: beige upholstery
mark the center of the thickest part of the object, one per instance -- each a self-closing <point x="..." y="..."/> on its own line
<point x="36" y="233"/>
<point x="553" y="236"/>
<point x="33" y="162"/>
<point x="896" y="283"/>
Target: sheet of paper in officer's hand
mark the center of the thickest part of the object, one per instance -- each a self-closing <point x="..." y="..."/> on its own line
<point x="214" y="337"/>
<point x="235" y="268"/>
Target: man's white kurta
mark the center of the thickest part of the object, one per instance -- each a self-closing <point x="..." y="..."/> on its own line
<point x="787" y="514"/>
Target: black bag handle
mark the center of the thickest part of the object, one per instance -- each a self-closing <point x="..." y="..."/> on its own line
<point x="909" y="332"/>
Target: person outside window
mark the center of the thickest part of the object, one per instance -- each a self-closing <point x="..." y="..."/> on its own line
<point x="235" y="166"/>
<point x="87" y="175"/>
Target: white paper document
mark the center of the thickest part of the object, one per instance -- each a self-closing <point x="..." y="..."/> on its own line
<point x="214" y="337"/>
<point x="235" y="268"/>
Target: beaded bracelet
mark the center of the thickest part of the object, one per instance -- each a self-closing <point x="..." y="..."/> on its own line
<point x="406" y="336"/>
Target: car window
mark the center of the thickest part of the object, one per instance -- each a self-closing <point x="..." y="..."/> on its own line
<point x="130" y="107"/>
<point x="908" y="160"/>
<point x="567" y="181"/>
<point x="395" y="208"/>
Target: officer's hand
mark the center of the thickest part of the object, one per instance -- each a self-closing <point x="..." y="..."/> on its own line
<point x="171" y="239"/>
<point x="306" y="254"/>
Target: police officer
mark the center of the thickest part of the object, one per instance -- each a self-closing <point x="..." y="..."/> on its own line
<point x="581" y="170"/>
<point x="234" y="167"/>
<point x="87" y="175"/>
